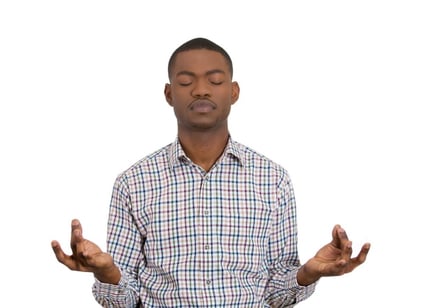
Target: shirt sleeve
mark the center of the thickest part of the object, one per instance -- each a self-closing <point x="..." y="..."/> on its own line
<point x="125" y="244"/>
<point x="282" y="289"/>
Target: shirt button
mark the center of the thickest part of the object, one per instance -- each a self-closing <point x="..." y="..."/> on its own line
<point x="206" y="212"/>
<point x="206" y="247"/>
<point x="208" y="282"/>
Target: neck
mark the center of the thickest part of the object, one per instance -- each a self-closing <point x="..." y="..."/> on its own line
<point x="204" y="148"/>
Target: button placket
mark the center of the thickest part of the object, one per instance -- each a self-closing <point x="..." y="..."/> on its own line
<point x="205" y="214"/>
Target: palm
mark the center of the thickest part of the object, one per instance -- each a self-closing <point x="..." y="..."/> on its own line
<point x="87" y="256"/>
<point x="328" y="261"/>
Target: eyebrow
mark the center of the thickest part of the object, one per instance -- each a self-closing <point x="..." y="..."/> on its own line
<point x="215" y="71"/>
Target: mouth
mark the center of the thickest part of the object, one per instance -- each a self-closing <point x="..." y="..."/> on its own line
<point x="202" y="106"/>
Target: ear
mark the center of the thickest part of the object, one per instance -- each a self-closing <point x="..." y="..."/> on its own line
<point x="167" y="94"/>
<point x="235" y="92"/>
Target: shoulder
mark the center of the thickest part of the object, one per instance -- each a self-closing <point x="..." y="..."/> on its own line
<point x="152" y="162"/>
<point x="254" y="157"/>
<point x="256" y="160"/>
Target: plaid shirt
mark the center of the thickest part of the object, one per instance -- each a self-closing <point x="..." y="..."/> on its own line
<point x="183" y="237"/>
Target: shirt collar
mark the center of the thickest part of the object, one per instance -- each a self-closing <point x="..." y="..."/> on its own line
<point x="177" y="155"/>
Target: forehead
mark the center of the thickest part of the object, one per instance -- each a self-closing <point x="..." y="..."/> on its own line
<point x="199" y="61"/>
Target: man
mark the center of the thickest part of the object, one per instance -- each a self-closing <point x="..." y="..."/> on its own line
<point x="204" y="221"/>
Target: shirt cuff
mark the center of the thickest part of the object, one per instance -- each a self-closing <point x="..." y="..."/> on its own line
<point x="111" y="290"/>
<point x="300" y="292"/>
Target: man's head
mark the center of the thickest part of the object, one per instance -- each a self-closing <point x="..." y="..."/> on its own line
<point x="200" y="43"/>
<point x="201" y="89"/>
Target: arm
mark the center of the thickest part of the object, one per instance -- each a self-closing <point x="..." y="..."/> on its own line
<point x="283" y="289"/>
<point x="125" y="244"/>
<point x="290" y="282"/>
<point x="111" y="287"/>
<point x="116" y="272"/>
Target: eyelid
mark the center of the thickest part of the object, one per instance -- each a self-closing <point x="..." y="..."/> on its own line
<point x="184" y="81"/>
<point x="216" y="82"/>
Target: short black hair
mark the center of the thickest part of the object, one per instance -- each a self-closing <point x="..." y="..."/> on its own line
<point x="200" y="43"/>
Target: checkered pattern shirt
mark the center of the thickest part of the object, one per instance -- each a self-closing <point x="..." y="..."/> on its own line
<point x="183" y="237"/>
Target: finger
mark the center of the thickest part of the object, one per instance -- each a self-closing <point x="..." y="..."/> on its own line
<point x="60" y="255"/>
<point x="336" y="238"/>
<point x="361" y="257"/>
<point x="76" y="232"/>
<point x="57" y="250"/>
<point x="347" y="251"/>
<point x="342" y="235"/>
<point x="344" y="242"/>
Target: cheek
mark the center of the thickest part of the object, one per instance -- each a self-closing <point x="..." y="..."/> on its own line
<point x="180" y="94"/>
<point x="178" y="111"/>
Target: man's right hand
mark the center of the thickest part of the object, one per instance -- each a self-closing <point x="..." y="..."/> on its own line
<point x="87" y="257"/>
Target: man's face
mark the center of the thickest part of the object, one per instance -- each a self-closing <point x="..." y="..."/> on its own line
<point x="201" y="90"/>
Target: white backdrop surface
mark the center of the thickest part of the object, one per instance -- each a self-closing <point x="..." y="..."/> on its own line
<point x="332" y="90"/>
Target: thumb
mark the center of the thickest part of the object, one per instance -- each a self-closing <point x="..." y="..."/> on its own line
<point x="57" y="249"/>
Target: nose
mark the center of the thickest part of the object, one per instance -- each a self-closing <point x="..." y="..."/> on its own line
<point x="201" y="88"/>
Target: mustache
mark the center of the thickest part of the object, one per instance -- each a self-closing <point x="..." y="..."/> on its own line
<point x="202" y="102"/>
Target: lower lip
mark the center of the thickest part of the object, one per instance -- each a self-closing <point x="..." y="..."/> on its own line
<point x="202" y="107"/>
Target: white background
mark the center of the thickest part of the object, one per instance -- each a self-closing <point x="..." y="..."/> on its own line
<point x="332" y="90"/>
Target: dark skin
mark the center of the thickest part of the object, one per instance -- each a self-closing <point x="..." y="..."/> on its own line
<point x="201" y="92"/>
